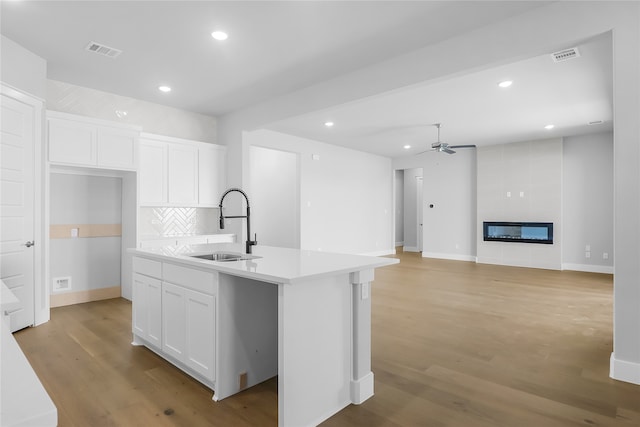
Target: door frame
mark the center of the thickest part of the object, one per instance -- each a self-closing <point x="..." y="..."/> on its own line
<point x="40" y="204"/>
<point x="419" y="213"/>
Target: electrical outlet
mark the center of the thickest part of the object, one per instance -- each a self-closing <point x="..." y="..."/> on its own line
<point x="587" y="254"/>
<point x="365" y="291"/>
<point x="75" y="232"/>
<point x="605" y="255"/>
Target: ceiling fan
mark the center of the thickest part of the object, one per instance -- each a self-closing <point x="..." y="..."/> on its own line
<point x="443" y="147"/>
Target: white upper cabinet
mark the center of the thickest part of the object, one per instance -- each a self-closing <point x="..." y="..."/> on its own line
<point x="117" y="148"/>
<point x="82" y="141"/>
<point x="153" y="172"/>
<point x="211" y="174"/>
<point x="183" y="174"/>
<point x="177" y="172"/>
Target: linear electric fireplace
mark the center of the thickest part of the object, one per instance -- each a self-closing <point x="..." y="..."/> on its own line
<point x="523" y="232"/>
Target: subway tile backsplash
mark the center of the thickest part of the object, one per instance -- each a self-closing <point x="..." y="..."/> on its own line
<point x="169" y="221"/>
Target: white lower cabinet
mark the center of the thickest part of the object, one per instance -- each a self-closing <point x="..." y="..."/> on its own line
<point x="188" y="320"/>
<point x="200" y="333"/>
<point x="174" y="311"/>
<point x="173" y="321"/>
<point x="147" y="309"/>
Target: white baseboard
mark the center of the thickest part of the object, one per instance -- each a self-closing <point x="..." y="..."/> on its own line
<point x="380" y="253"/>
<point x="455" y="257"/>
<point x="622" y="370"/>
<point x="362" y="389"/>
<point x="410" y="249"/>
<point x="605" y="269"/>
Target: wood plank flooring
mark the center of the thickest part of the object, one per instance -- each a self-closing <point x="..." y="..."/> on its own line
<point x="454" y="344"/>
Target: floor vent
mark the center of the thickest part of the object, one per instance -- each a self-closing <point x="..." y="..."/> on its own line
<point x="61" y="284"/>
<point x="103" y="50"/>
<point x="565" y="55"/>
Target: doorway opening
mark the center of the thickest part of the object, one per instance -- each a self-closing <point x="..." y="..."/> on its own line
<point x="408" y="209"/>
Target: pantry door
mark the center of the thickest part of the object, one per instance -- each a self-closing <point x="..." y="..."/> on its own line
<point x="17" y="199"/>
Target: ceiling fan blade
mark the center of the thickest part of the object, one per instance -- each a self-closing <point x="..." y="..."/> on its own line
<point x="447" y="150"/>
<point x="462" y="146"/>
<point x="436" y="145"/>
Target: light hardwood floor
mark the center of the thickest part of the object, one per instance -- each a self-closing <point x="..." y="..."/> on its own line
<point x="454" y="344"/>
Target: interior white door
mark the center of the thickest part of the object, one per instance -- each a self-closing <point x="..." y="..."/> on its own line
<point x="17" y="199"/>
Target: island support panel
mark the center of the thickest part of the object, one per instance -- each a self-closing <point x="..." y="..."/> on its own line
<point x="324" y="346"/>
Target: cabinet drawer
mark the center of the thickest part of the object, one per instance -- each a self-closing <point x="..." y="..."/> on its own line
<point x="147" y="267"/>
<point x="201" y="281"/>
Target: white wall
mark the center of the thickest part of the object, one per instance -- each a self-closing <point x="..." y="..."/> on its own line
<point x="588" y="203"/>
<point x="274" y="197"/>
<point x="449" y="184"/>
<point x="153" y="118"/>
<point x="518" y="182"/>
<point x="345" y="195"/>
<point x="22" y="69"/>
<point x="94" y="262"/>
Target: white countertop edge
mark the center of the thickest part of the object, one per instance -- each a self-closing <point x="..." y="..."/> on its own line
<point x="243" y="268"/>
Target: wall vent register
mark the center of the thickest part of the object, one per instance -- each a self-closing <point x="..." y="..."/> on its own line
<point x="523" y="232"/>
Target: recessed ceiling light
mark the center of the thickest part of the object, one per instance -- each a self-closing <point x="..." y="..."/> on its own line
<point x="220" y="35"/>
<point x="505" y="84"/>
<point x="328" y="124"/>
<point x="121" y="114"/>
<point x="548" y="127"/>
<point x="406" y="147"/>
<point x="164" y="88"/>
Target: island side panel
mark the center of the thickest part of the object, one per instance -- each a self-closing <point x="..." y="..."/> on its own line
<point x="247" y="330"/>
<point x="314" y="341"/>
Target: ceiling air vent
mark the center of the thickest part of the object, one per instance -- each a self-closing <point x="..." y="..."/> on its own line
<point x="103" y="50"/>
<point x="565" y="55"/>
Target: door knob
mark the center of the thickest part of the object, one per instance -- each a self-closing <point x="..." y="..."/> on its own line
<point x="29" y="244"/>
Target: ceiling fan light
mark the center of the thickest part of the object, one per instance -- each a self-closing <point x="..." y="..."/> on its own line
<point x="505" y="84"/>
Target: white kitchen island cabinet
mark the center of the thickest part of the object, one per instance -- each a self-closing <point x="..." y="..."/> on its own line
<point x="304" y="316"/>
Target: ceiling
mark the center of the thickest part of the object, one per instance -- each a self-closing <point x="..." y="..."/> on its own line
<point x="278" y="47"/>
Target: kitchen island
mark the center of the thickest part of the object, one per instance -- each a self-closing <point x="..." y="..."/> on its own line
<point x="302" y="315"/>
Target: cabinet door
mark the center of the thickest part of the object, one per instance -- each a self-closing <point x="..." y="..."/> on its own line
<point x="200" y="323"/>
<point x="154" y="312"/>
<point x="140" y="305"/>
<point x="183" y="175"/>
<point x="211" y="174"/>
<point x="153" y="173"/>
<point x="116" y="148"/>
<point x="173" y="321"/>
<point x="72" y="142"/>
<point x="147" y="306"/>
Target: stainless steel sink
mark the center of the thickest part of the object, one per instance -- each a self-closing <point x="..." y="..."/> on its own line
<point x="224" y="256"/>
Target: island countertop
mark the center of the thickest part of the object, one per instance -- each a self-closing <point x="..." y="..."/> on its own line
<point x="268" y="264"/>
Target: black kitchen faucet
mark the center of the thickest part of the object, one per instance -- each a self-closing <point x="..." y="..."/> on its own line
<point x="249" y="242"/>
